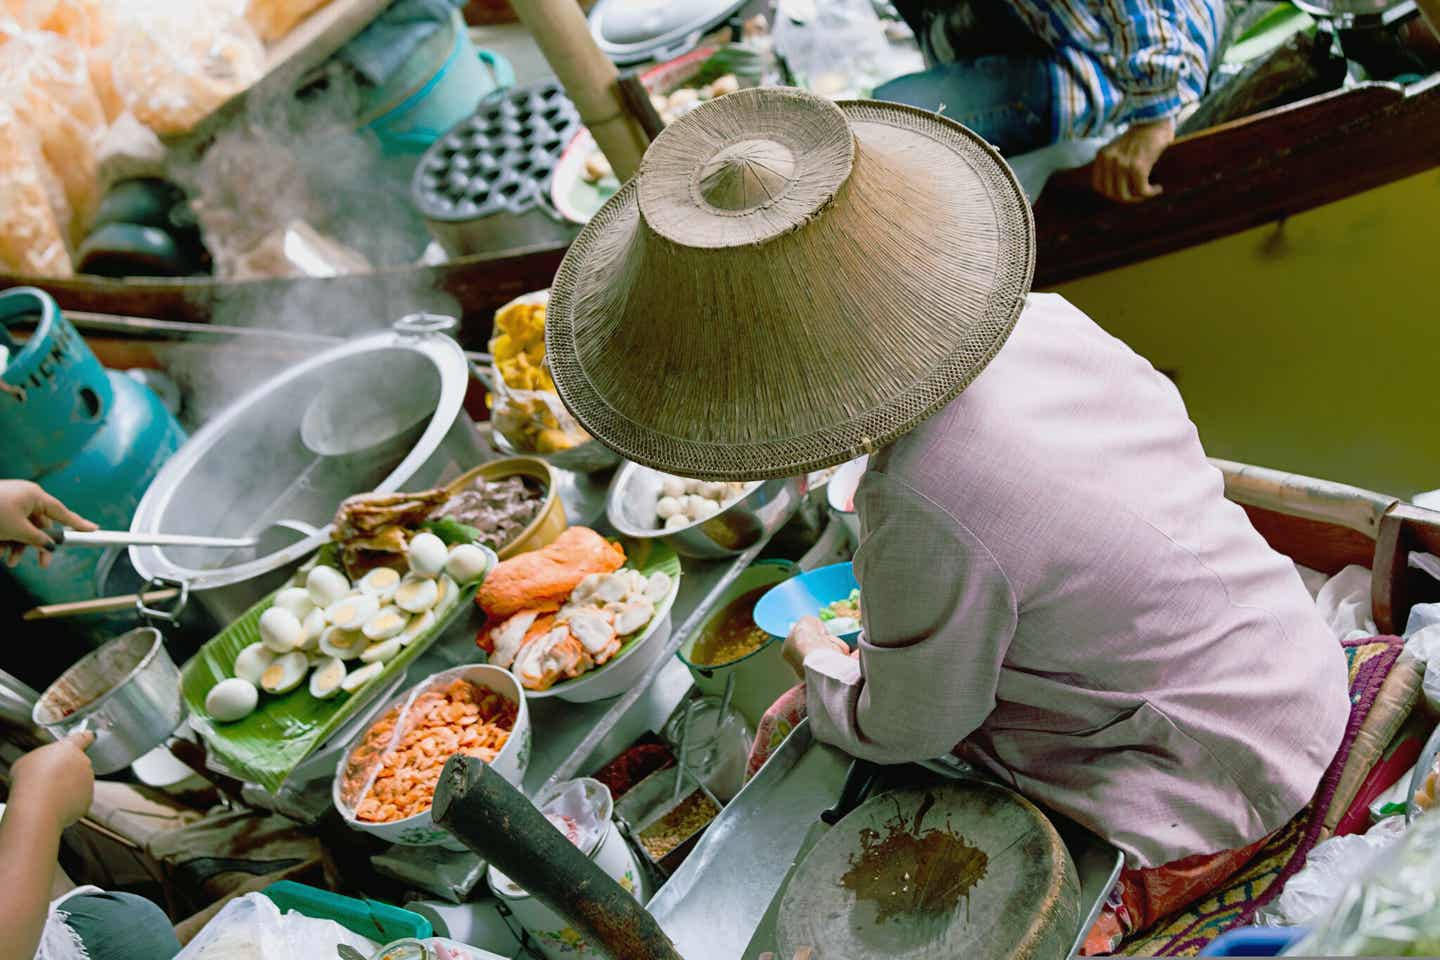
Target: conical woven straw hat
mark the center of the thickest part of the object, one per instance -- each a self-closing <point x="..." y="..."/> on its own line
<point x="788" y="283"/>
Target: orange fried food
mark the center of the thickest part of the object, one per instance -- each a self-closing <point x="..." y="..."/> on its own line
<point x="459" y="718"/>
<point x="545" y="577"/>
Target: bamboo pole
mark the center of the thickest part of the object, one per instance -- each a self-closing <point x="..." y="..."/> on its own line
<point x="495" y="820"/>
<point x="560" y="30"/>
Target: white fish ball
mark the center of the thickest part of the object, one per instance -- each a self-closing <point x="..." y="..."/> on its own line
<point x="672" y="487"/>
<point x="677" y="522"/>
<point x="667" y="507"/>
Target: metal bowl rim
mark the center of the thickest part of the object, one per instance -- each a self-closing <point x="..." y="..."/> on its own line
<point x="157" y="644"/>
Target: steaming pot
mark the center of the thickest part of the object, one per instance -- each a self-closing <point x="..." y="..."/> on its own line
<point x="253" y="465"/>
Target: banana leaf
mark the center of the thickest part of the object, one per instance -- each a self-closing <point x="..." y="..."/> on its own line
<point x="266" y="746"/>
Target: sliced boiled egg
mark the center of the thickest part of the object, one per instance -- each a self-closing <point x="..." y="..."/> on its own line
<point x="313" y="625"/>
<point x="252" y="661"/>
<point x="285" y="673"/>
<point x="280" y="630"/>
<point x="389" y="622"/>
<point x="416" y="594"/>
<point x="350" y="613"/>
<point x="446" y="592"/>
<point x="382" y="652"/>
<point x="356" y="679"/>
<point x="419" y="626"/>
<point x="342" y="644"/>
<point x="296" y="600"/>
<point x="380" y="583"/>
<point x="325" y="680"/>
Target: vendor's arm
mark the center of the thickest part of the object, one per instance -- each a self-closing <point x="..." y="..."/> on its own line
<point x="1160" y="69"/>
<point x="939" y="615"/>
<point x="50" y="789"/>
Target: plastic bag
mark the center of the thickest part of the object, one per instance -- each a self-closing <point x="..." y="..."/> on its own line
<point x="45" y="80"/>
<point x="31" y="242"/>
<point x="273" y="19"/>
<point x="524" y="406"/>
<point x="579" y="809"/>
<point x="835" y="48"/>
<point x="1391" y="908"/>
<point x="1328" y="868"/>
<point x="172" y="63"/>
<point x="1424" y="645"/>
<point x="252" y="928"/>
<point x="1344" y="603"/>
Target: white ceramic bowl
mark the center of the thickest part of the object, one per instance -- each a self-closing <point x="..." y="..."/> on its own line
<point x="620" y="674"/>
<point x="840" y="494"/>
<point x="419" y="830"/>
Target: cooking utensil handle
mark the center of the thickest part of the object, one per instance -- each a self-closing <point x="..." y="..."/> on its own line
<point x="80" y="608"/>
<point x="57" y="533"/>
<point x="150" y="614"/>
<point x="494" y="819"/>
<point x="858" y="780"/>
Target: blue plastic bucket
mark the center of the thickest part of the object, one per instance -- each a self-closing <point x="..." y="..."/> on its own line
<point x="440" y="85"/>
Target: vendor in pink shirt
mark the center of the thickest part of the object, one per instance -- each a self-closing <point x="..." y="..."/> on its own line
<point x="1052" y="581"/>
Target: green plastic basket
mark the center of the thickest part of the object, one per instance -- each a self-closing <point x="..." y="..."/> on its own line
<point x="368" y="918"/>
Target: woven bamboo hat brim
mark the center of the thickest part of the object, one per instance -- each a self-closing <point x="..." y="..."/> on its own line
<point x="788" y="283"/>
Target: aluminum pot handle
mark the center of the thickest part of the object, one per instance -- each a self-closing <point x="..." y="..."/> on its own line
<point x="422" y="324"/>
<point x="150" y="614"/>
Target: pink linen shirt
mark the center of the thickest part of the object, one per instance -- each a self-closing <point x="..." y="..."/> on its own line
<point x="1051" y="576"/>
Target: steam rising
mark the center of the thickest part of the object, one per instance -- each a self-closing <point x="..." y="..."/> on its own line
<point x="302" y="158"/>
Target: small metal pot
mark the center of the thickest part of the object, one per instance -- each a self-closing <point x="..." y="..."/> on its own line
<point x="127" y="693"/>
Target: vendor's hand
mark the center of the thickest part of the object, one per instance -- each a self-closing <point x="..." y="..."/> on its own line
<point x="808" y="634"/>
<point x="1122" y="167"/>
<point x="56" y="778"/>
<point x="25" y="512"/>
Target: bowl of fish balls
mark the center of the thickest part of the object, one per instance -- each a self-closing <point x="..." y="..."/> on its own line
<point x="699" y="518"/>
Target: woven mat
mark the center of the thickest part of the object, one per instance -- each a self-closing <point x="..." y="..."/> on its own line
<point x="1186" y="934"/>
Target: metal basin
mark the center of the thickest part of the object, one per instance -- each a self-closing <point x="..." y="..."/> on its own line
<point x="127" y="693"/>
<point x="251" y="466"/>
<point x="754" y="517"/>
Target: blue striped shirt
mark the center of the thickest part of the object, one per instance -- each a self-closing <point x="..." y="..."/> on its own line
<point x="1124" y="61"/>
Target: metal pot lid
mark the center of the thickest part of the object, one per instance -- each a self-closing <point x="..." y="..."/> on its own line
<point x="248" y="467"/>
<point x="629" y="31"/>
<point x="498" y="160"/>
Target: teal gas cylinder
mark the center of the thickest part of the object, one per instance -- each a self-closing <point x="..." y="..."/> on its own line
<point x="92" y="437"/>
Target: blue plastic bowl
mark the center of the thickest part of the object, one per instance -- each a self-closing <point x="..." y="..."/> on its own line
<point x="805" y="596"/>
<point x="1255" y="942"/>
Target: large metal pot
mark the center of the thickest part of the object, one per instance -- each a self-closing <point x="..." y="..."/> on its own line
<point x="253" y="465"/>
<point x="127" y="693"/>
